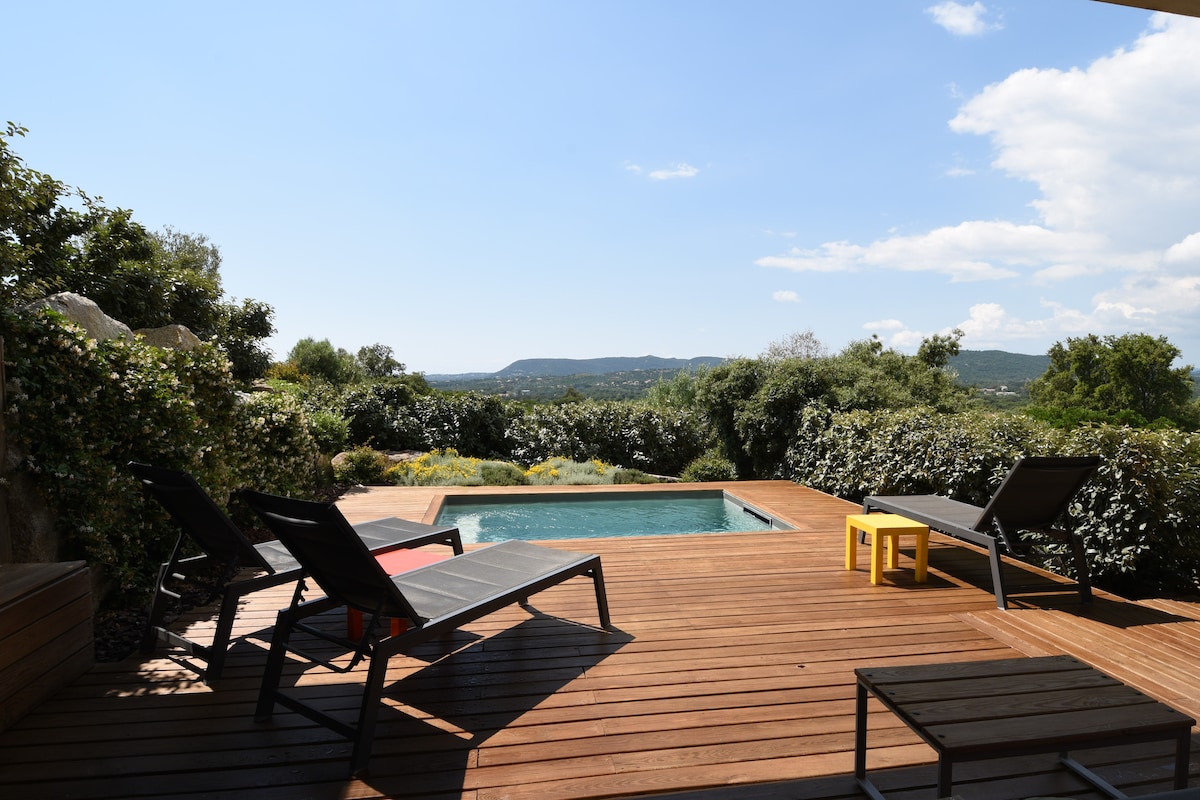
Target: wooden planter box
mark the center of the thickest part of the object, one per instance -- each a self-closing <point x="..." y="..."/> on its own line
<point x="45" y="633"/>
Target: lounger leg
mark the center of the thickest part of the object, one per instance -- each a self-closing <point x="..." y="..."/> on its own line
<point x="274" y="668"/>
<point x="220" y="643"/>
<point x="158" y="610"/>
<point x="368" y="713"/>
<point x="997" y="574"/>
<point x="161" y="601"/>
<point x="601" y="596"/>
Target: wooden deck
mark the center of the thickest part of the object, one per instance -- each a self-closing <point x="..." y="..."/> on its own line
<point x="729" y="675"/>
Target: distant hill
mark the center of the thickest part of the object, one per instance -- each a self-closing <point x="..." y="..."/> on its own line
<point x="561" y="367"/>
<point x="630" y="378"/>
<point x="991" y="369"/>
<point x="551" y="378"/>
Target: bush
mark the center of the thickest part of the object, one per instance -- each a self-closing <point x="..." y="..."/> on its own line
<point x="466" y="423"/>
<point x="376" y="416"/>
<point x="632" y="435"/>
<point x="631" y="476"/>
<point x="498" y="473"/>
<point x="438" y="468"/>
<point x="448" y="468"/>
<point x="79" y="410"/>
<point x="330" y="430"/>
<point x="362" y="465"/>
<point x="712" y="466"/>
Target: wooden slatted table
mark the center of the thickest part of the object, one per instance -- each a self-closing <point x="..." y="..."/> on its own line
<point x="1021" y="706"/>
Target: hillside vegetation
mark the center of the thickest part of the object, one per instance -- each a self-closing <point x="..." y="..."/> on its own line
<point x="542" y="379"/>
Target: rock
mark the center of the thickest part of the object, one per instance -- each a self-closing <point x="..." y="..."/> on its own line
<point x="82" y="312"/>
<point x="176" y="337"/>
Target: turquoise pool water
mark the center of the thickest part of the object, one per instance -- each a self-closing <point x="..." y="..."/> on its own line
<point x="583" y="516"/>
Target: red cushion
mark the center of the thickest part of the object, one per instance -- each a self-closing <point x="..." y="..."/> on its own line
<point x="403" y="560"/>
<point x="394" y="563"/>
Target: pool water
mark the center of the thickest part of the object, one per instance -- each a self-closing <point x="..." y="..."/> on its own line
<point x="582" y="516"/>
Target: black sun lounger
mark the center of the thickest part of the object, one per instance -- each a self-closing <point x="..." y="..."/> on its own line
<point x="434" y="599"/>
<point x="1032" y="497"/>
<point x="202" y="523"/>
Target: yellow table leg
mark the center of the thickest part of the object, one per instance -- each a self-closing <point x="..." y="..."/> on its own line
<point x="893" y="543"/>
<point x="877" y="556"/>
<point x="922" y="571"/>
<point x="851" y="546"/>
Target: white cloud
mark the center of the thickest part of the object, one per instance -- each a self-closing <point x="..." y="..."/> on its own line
<point x="884" y="325"/>
<point x="785" y="296"/>
<point x="1184" y="252"/>
<point x="961" y="19"/>
<point x="1113" y="147"/>
<point x="634" y="168"/>
<point x="969" y="251"/>
<point x="1112" y="153"/>
<point x="680" y="170"/>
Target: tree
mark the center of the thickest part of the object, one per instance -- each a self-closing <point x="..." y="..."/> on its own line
<point x="57" y="239"/>
<point x="377" y="362"/>
<point x="1127" y="378"/>
<point x="802" y="344"/>
<point x="936" y="351"/>
<point x="320" y="360"/>
<point x="240" y="332"/>
<point x="754" y="407"/>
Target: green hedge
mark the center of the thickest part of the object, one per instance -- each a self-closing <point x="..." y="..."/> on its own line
<point x="628" y="434"/>
<point x="631" y="435"/>
<point x="1137" y="515"/>
<point x="79" y="410"/>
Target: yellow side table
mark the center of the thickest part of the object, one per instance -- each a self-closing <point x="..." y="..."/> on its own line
<point x="890" y="527"/>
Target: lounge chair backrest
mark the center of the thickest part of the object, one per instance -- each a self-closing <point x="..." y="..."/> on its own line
<point x="198" y="516"/>
<point x="331" y="553"/>
<point x="1036" y="492"/>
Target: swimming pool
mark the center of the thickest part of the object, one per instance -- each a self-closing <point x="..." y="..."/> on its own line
<point x="533" y="517"/>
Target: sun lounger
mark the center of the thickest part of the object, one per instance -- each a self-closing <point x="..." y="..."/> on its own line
<point x="433" y="600"/>
<point x="1032" y="497"/>
<point x="204" y="526"/>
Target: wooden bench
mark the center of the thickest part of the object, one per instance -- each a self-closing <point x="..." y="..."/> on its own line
<point x="45" y="633"/>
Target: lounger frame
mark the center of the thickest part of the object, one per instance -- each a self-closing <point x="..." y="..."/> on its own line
<point x="477" y="583"/>
<point x="245" y="567"/>
<point x="1033" y="496"/>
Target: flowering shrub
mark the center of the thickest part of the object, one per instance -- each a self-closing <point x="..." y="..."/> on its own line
<point x="79" y="410"/>
<point x="438" y="468"/>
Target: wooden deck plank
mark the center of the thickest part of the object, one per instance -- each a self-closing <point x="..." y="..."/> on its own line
<point x="730" y="674"/>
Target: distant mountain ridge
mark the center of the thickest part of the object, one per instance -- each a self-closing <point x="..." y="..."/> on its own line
<point x="974" y="367"/>
<point x="561" y="367"/>
<point x="624" y="378"/>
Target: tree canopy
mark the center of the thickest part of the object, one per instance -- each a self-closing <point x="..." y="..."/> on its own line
<point x="57" y="239"/>
<point x="1129" y="379"/>
<point x="755" y="406"/>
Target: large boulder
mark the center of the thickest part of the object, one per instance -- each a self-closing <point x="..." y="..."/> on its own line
<point x="176" y="337"/>
<point x="84" y="313"/>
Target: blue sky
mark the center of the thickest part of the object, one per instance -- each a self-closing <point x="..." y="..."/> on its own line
<point x="471" y="183"/>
